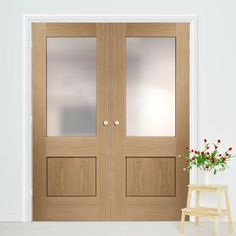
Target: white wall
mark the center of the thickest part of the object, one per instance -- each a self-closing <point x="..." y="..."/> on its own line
<point x="217" y="78"/>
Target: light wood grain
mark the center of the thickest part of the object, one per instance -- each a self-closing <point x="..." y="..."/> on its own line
<point x="150" y="177"/>
<point x="151" y="29"/>
<point x="204" y="211"/>
<point x="182" y="112"/>
<point x="197" y="205"/>
<point x="153" y="207"/>
<point x="150" y="146"/>
<point x="118" y="52"/>
<point x="207" y="188"/>
<point x="103" y="113"/>
<point x="111" y="147"/>
<point x="216" y="226"/>
<point x="39" y="120"/>
<point x="71" y="146"/>
<point x="71" y="176"/>
<point x="71" y="30"/>
<point x="62" y="184"/>
<point x="230" y="223"/>
<point x="181" y="227"/>
<point x="213" y="213"/>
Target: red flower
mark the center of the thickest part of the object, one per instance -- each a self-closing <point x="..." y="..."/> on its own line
<point x="192" y="150"/>
<point x="195" y="152"/>
<point x="202" y="153"/>
<point x="218" y="140"/>
<point x="193" y="158"/>
<point x="208" y="153"/>
<point x="215" y="146"/>
<point x="230" y="149"/>
<point x="227" y="154"/>
<point x="205" y="140"/>
<point x="223" y="159"/>
<point x="213" y="160"/>
<point x="207" y="158"/>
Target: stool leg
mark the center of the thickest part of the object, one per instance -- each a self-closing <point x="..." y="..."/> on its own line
<point x="230" y="224"/>
<point x="217" y="231"/>
<point x="181" y="228"/>
<point x="197" y="205"/>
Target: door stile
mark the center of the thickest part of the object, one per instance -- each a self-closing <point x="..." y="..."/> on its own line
<point x="39" y="120"/>
<point x="118" y="92"/>
<point x="103" y="114"/>
<point x="182" y="113"/>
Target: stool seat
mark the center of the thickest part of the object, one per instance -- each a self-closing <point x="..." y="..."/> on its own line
<point x="204" y="211"/>
<point x="208" y="188"/>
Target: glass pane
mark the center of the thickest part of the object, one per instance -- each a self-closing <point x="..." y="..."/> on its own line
<point x="150" y="92"/>
<point x="71" y="86"/>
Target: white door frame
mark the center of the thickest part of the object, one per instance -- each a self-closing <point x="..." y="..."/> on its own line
<point x="27" y="83"/>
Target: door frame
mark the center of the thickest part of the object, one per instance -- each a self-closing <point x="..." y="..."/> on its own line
<point x="27" y="21"/>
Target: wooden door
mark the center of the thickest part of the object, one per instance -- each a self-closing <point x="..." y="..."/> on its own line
<point x="104" y="169"/>
<point x="148" y="182"/>
<point x="70" y="171"/>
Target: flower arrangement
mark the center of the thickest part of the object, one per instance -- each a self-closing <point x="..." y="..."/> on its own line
<point x="208" y="160"/>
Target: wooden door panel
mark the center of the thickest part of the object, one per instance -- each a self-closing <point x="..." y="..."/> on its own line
<point x="68" y="176"/>
<point x="148" y="182"/>
<point x="70" y="173"/>
<point x="150" y="176"/>
<point x="109" y="176"/>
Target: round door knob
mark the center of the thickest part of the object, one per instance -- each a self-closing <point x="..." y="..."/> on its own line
<point x="105" y="122"/>
<point x="116" y="122"/>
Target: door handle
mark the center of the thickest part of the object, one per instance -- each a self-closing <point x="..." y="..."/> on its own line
<point x="116" y="123"/>
<point x="105" y="122"/>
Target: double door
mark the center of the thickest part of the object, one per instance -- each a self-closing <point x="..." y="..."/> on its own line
<point x="110" y="120"/>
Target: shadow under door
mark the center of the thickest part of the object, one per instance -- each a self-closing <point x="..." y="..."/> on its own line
<point x="110" y="120"/>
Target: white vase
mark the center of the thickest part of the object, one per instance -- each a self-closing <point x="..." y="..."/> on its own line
<point x="207" y="177"/>
<point x="204" y="177"/>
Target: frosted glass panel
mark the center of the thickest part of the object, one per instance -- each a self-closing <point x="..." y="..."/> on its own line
<point x="71" y="86"/>
<point x="150" y="90"/>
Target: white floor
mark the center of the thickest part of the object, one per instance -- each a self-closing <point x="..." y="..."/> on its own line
<point x="109" y="229"/>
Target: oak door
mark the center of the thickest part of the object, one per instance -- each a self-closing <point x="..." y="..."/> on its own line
<point x="70" y="104"/>
<point x="110" y="118"/>
<point x="150" y="108"/>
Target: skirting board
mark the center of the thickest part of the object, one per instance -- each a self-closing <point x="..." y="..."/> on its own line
<point x="10" y="216"/>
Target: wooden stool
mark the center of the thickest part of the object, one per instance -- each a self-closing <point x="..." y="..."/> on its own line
<point x="214" y="213"/>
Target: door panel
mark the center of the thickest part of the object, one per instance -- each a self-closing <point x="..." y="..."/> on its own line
<point x="110" y="117"/>
<point x="70" y="173"/>
<point x="75" y="176"/>
<point x="148" y="182"/>
<point x="150" y="176"/>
